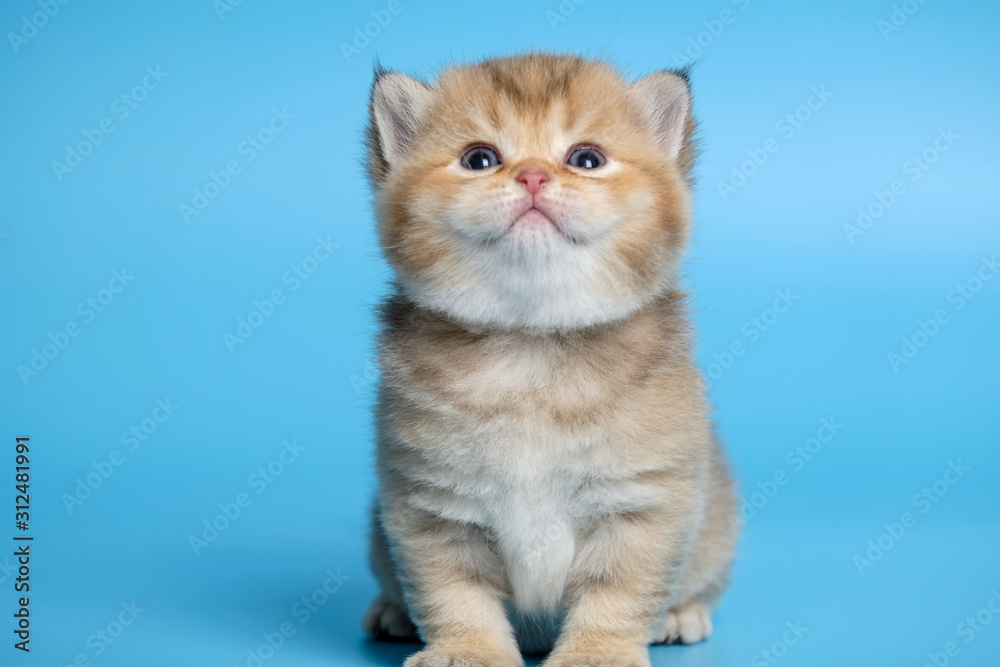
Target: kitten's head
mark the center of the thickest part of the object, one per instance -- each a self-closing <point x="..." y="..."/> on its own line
<point x="535" y="192"/>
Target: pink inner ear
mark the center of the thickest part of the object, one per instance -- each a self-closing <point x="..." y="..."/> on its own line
<point x="396" y="106"/>
<point x="671" y="129"/>
<point x="667" y="100"/>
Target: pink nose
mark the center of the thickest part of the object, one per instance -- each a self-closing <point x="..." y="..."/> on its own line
<point x="533" y="180"/>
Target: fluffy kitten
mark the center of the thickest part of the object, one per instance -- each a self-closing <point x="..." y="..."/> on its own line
<point x="548" y="478"/>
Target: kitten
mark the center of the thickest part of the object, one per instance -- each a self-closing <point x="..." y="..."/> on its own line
<point x="548" y="477"/>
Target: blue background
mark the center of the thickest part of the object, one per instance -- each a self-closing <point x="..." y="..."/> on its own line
<point x="306" y="374"/>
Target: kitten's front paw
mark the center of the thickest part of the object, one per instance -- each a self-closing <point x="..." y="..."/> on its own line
<point x="598" y="658"/>
<point x="460" y="657"/>
<point x="687" y="624"/>
<point x="387" y="621"/>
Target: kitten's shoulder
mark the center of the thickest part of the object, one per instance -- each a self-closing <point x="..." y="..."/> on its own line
<point x="401" y="319"/>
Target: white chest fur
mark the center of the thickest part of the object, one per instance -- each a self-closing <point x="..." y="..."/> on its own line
<point x="528" y="479"/>
<point x="533" y="497"/>
<point x="533" y="521"/>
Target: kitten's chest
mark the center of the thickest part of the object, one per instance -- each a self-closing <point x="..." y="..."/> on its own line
<point x="533" y="503"/>
<point x="542" y="384"/>
<point x="530" y="442"/>
<point x="532" y="510"/>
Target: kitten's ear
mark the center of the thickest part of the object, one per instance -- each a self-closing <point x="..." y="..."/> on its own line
<point x="666" y="97"/>
<point x="395" y="107"/>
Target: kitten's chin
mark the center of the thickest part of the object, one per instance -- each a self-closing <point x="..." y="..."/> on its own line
<point x="538" y="302"/>
<point x="542" y="319"/>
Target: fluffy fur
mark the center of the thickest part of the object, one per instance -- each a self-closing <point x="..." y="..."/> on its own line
<point x="548" y="478"/>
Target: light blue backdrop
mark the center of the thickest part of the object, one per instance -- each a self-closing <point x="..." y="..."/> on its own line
<point x="151" y="409"/>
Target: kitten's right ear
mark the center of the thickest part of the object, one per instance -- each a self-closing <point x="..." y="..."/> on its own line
<point x="666" y="96"/>
<point x="396" y="104"/>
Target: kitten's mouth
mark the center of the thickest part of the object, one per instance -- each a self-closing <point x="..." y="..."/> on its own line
<point x="535" y="217"/>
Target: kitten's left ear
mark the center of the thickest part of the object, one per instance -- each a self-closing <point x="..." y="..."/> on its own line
<point x="666" y="97"/>
<point x="397" y="102"/>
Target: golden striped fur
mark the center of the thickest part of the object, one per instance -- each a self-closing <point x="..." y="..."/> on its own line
<point x="548" y="477"/>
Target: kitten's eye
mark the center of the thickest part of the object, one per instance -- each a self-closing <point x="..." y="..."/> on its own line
<point x="586" y="157"/>
<point x="480" y="157"/>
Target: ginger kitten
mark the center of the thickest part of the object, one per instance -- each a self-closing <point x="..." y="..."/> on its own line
<point x="548" y="477"/>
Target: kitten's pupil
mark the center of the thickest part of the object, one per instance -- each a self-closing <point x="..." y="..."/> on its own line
<point x="480" y="157"/>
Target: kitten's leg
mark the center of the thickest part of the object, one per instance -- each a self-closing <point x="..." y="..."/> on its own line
<point x="618" y="591"/>
<point x="707" y="570"/>
<point x="388" y="620"/>
<point x="455" y="590"/>
<point x="387" y="617"/>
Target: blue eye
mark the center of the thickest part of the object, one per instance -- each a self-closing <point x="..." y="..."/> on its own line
<point x="586" y="157"/>
<point x="480" y="157"/>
